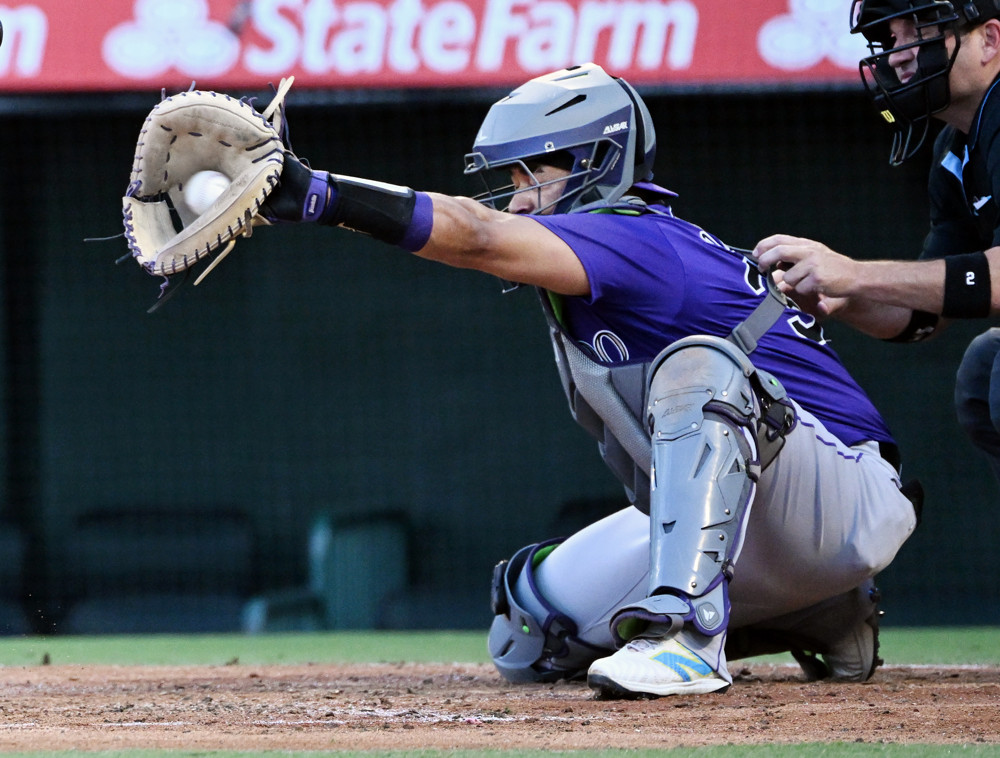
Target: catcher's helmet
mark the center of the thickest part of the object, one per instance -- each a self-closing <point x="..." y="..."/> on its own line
<point x="908" y="104"/>
<point x="581" y="117"/>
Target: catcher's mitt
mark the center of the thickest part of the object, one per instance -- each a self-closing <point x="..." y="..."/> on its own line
<point x="185" y="134"/>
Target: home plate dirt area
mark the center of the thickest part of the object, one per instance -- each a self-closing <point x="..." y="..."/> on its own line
<point x="403" y="706"/>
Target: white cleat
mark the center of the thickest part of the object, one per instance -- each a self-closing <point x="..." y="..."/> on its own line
<point x="653" y="668"/>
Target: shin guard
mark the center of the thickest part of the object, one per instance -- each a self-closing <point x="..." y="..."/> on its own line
<point x="704" y="411"/>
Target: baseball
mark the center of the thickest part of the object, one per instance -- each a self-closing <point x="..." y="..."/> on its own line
<point x="203" y="188"/>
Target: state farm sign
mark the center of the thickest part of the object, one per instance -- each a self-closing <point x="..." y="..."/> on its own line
<point x="63" y="45"/>
<point x="451" y="37"/>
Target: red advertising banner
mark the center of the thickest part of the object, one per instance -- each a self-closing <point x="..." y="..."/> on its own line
<point x="93" y="45"/>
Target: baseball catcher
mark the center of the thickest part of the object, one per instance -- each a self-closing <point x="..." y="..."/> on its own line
<point x="764" y="484"/>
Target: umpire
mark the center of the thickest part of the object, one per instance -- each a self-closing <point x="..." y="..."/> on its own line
<point x="929" y="59"/>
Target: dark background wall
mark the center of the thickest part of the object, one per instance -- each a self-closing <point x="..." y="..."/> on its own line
<point x="318" y="372"/>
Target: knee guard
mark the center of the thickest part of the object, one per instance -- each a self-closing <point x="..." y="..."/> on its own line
<point x="530" y="640"/>
<point x="710" y="412"/>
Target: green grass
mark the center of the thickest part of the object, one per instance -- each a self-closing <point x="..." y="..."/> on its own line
<point x="221" y="649"/>
<point x="945" y="646"/>
<point x="951" y="646"/>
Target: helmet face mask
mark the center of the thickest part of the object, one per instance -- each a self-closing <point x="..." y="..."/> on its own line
<point x="581" y="118"/>
<point x="908" y="104"/>
<point x="586" y="165"/>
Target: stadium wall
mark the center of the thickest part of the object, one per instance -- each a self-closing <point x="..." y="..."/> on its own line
<point x="319" y="377"/>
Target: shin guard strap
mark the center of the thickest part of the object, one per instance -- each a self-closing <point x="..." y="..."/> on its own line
<point x="665" y="615"/>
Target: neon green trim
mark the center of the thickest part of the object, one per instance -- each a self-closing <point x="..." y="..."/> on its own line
<point x="556" y="302"/>
<point x="631" y="628"/>
<point x="541" y="555"/>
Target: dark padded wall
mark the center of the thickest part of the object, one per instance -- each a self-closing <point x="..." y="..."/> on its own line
<point x="316" y="371"/>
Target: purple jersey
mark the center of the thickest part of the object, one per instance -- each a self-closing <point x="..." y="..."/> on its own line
<point x="655" y="279"/>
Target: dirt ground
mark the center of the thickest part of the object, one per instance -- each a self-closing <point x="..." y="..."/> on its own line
<point x="410" y="706"/>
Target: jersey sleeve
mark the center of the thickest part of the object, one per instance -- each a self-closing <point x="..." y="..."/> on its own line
<point x="621" y="263"/>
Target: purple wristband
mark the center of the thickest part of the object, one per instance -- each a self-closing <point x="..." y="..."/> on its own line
<point x="419" y="230"/>
<point x="316" y="196"/>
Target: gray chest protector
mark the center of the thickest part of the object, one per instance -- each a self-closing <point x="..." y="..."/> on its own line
<point x="609" y="401"/>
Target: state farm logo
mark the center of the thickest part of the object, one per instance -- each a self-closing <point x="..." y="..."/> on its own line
<point x="811" y="31"/>
<point x="170" y="35"/>
<point x="348" y="37"/>
<point x="59" y="45"/>
<point x="390" y="37"/>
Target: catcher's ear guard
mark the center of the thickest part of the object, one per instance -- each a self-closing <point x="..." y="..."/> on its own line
<point x="187" y="133"/>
